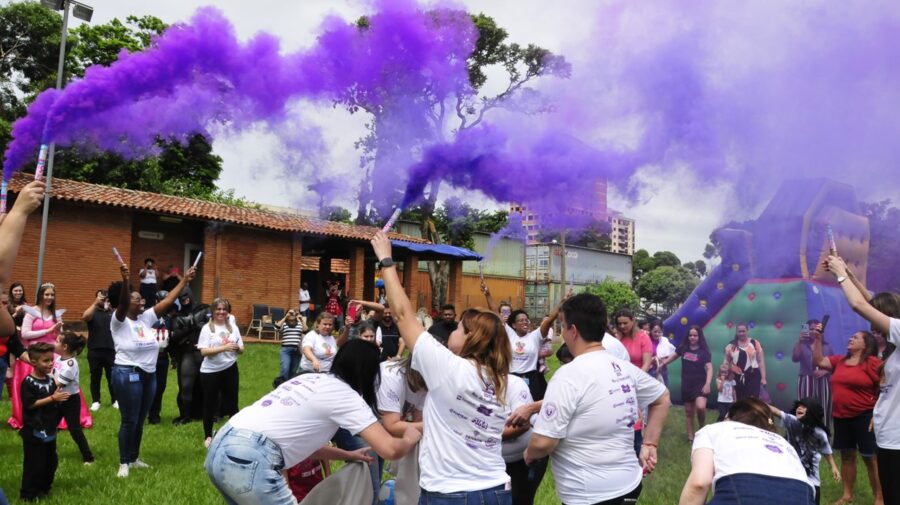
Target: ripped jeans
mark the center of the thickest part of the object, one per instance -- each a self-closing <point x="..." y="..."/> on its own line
<point x="246" y="467"/>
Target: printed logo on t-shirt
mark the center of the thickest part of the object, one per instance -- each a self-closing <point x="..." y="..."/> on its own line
<point x="617" y="369"/>
<point x="626" y="388"/>
<point x="327" y="348"/>
<point x="774" y="448"/>
<point x="690" y="356"/>
<point x="483" y="410"/>
<point x="70" y="362"/>
<point x="549" y="411"/>
<point x="488" y="393"/>
<point x="266" y="403"/>
<point x="520" y="347"/>
<point x="523" y="395"/>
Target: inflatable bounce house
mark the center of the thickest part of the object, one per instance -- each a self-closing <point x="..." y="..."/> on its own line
<point x="771" y="278"/>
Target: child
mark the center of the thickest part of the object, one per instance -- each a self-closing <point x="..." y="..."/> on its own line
<point x="40" y="398"/>
<point x="68" y="346"/>
<point x="725" y="386"/>
<point x="304" y="476"/>
<point x="808" y="434"/>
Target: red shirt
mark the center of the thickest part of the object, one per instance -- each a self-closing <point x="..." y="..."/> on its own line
<point x="637" y="346"/>
<point x="855" y="388"/>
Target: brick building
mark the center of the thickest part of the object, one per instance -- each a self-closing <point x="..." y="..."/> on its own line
<point x="249" y="255"/>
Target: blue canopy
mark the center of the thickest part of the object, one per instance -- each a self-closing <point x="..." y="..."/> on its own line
<point x="437" y="251"/>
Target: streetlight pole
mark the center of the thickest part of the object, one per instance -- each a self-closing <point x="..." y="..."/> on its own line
<point x="84" y="14"/>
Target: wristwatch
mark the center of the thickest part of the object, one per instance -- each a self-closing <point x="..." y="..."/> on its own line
<point x="386" y="263"/>
<point x="841" y="279"/>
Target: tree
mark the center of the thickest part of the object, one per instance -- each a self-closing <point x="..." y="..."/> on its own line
<point x="665" y="258"/>
<point x="615" y="295"/>
<point x="441" y="116"/>
<point x="29" y="50"/>
<point x="884" y="242"/>
<point x="667" y="286"/>
<point x="336" y="214"/>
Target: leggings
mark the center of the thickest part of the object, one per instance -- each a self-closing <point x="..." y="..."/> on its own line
<point x="889" y="469"/>
<point x="224" y="382"/>
<point x="70" y="410"/>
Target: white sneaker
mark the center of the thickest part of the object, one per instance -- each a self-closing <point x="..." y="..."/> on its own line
<point x="95" y="406"/>
<point x="123" y="470"/>
<point x="139" y="464"/>
<point x="116" y="405"/>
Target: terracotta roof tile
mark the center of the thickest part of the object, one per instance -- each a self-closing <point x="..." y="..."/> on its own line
<point x="83" y="192"/>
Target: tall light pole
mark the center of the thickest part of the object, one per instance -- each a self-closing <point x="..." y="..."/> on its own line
<point x="84" y="13"/>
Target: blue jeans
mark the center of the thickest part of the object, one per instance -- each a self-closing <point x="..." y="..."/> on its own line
<point x="4" y="365"/>
<point x="246" y="467"/>
<point x="753" y="489"/>
<point x="344" y="440"/>
<point x="492" y="496"/>
<point x="135" y="390"/>
<point x="290" y="362"/>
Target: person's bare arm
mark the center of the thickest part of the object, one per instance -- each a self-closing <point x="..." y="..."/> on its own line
<point x="387" y="446"/>
<point x="162" y="308"/>
<point x="522" y="415"/>
<point x="761" y="359"/>
<point x="646" y="361"/>
<point x="124" y="296"/>
<point x="13" y="226"/>
<point x="818" y="359"/>
<point x="404" y="315"/>
<point x="698" y="483"/>
<point x="492" y="306"/>
<point x="395" y="424"/>
<point x="855" y="298"/>
<point x="308" y="352"/>
<point x="859" y="285"/>
<point x="656" y="419"/>
<point x="539" y="447"/>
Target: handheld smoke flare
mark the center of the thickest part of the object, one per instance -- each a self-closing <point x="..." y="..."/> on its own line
<point x="481" y="270"/>
<point x="118" y="256"/>
<point x="390" y="222"/>
<point x="42" y="160"/>
<point x="3" y="188"/>
<point x="832" y="246"/>
<point x="197" y="261"/>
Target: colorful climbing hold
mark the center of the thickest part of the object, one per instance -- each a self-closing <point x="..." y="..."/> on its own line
<point x="684" y="321"/>
<point x="781" y="387"/>
<point x="776" y="295"/>
<point x="778" y="325"/>
<point x="779" y="355"/>
<point x="735" y="267"/>
<point x="751" y="296"/>
<point x="720" y="285"/>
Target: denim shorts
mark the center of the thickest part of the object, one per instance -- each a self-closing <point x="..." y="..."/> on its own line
<point x="246" y="467"/>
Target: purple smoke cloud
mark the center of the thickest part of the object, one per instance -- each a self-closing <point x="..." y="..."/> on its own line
<point x="198" y="74"/>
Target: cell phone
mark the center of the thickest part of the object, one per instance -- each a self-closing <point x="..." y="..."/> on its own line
<point x="351" y="311"/>
<point x="825" y="319"/>
<point x="804" y="327"/>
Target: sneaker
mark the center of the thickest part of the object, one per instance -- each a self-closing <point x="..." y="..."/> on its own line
<point x="116" y="405"/>
<point x="95" y="406"/>
<point x="138" y="463"/>
<point x="123" y="470"/>
<point x="89" y="463"/>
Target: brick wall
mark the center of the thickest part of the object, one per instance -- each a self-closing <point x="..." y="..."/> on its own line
<point x="502" y="288"/>
<point x="79" y="258"/>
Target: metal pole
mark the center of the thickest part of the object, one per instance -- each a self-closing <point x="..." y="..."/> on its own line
<point x="52" y="149"/>
<point x="562" y="267"/>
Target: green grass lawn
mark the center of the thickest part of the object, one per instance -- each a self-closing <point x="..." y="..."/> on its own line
<point x="176" y="454"/>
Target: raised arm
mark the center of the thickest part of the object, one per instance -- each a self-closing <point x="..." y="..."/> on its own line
<point x="492" y="306"/>
<point x="818" y="359"/>
<point x="407" y="322"/>
<point x="855" y="298"/>
<point x="551" y="318"/>
<point x="162" y="308"/>
<point x="124" y="295"/>
<point x="859" y="284"/>
<point x="13" y="226"/>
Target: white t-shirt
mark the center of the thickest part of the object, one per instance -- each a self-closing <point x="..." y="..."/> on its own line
<point x="149" y="276"/>
<point x="219" y="337"/>
<point x="394" y="392"/>
<point x="460" y="449"/>
<point x="615" y="347"/>
<point x="324" y="347"/>
<point x="887" y="410"/>
<point x="591" y="406"/>
<point x="525" y="351"/>
<point x="304" y="300"/>
<point x="303" y="414"/>
<point x="135" y="340"/>
<point x="726" y="395"/>
<point x="664" y="348"/>
<point x="66" y="375"/>
<point x="741" y="448"/>
<point x="517" y="394"/>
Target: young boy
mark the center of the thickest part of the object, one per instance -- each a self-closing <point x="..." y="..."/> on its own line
<point x="40" y="398"/>
<point x="68" y="346"/>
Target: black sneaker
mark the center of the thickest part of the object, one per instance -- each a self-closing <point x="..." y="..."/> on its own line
<point x="178" y="421"/>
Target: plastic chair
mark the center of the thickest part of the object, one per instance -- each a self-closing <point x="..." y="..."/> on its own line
<point x="275" y="314"/>
<point x="259" y="311"/>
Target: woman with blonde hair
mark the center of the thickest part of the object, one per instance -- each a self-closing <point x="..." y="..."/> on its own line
<point x="220" y="342"/>
<point x="466" y="408"/>
<point x="319" y="345"/>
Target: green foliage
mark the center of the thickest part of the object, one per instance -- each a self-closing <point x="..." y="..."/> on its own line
<point x="615" y="294"/>
<point x="455" y="222"/>
<point x="594" y="236"/>
<point x="668" y="286"/>
<point x="336" y="214"/>
<point x="101" y="44"/>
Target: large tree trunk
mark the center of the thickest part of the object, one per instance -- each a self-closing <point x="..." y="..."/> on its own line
<point x="438" y="271"/>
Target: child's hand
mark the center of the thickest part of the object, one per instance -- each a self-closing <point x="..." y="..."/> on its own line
<point x="59" y="396"/>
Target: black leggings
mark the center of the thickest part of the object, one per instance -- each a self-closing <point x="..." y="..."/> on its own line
<point x="226" y="383"/>
<point x="748" y="384"/>
<point x="525" y="480"/>
<point x="70" y="410"/>
<point x="888" y="469"/>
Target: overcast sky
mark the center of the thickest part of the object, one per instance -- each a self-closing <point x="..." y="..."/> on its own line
<point x="676" y="212"/>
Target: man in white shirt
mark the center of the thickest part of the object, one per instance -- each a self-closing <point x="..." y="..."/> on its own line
<point x="304" y="301"/>
<point x="588" y="414"/>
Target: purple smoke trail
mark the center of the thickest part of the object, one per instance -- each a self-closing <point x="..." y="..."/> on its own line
<point x="198" y="74"/>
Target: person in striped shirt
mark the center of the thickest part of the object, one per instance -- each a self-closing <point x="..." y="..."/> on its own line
<point x="290" y="329"/>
